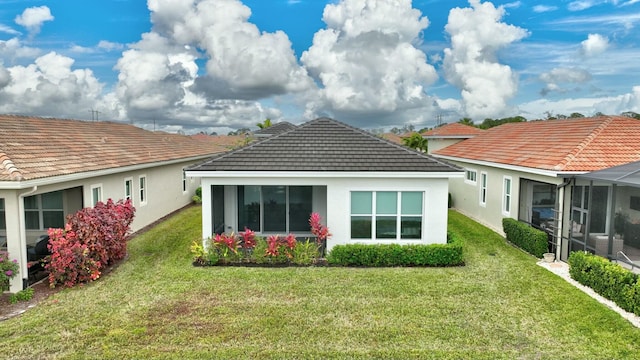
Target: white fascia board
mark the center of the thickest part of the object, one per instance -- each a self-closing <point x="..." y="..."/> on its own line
<point x="524" y="169"/>
<point x="16" y="185"/>
<point x="323" y="174"/>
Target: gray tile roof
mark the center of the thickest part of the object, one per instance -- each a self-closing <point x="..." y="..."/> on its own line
<point x="325" y="145"/>
<point x="275" y="129"/>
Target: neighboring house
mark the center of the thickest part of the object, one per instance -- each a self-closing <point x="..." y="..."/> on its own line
<point x="449" y="134"/>
<point x="274" y="129"/>
<point x="367" y="189"/>
<point x="51" y="168"/>
<point x="394" y="138"/>
<point x="529" y="171"/>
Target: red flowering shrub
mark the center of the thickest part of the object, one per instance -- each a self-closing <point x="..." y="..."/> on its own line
<point x="92" y="239"/>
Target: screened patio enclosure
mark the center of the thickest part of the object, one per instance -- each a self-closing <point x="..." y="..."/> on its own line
<point x="605" y="214"/>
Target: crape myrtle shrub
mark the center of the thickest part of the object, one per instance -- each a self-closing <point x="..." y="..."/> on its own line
<point x="93" y="238"/>
<point x="527" y="238"/>
<point x="386" y="255"/>
<point x="607" y="279"/>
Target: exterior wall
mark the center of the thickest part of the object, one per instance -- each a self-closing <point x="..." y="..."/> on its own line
<point x="164" y="188"/>
<point x="338" y="207"/>
<point x="466" y="196"/>
<point x="437" y="144"/>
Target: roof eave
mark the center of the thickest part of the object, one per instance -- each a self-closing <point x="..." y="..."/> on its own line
<point x="525" y="169"/>
<point x="50" y="180"/>
<point x="326" y="174"/>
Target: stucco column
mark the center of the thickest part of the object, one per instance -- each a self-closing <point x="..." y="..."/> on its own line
<point x="14" y="244"/>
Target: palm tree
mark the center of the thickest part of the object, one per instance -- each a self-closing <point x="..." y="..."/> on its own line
<point x="416" y="141"/>
<point x="265" y="124"/>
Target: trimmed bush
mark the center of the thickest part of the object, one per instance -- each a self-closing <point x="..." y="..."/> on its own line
<point x="386" y="255"/>
<point x="529" y="239"/>
<point x="608" y="279"/>
<point x="92" y="239"/>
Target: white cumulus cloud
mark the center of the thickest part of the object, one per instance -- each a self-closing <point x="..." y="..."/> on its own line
<point x="49" y="87"/>
<point x="595" y="44"/>
<point x="366" y="61"/>
<point x="471" y="64"/>
<point x="32" y="18"/>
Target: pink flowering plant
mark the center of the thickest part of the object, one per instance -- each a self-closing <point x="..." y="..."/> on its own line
<point x="247" y="247"/>
<point x="8" y="270"/>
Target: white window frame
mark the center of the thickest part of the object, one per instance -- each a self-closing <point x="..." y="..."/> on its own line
<point x="471" y="176"/>
<point x="130" y="195"/>
<point x="398" y="215"/>
<point x="484" y="181"/>
<point x="94" y="201"/>
<point x="142" y="189"/>
<point x="507" y="196"/>
<point x="287" y="204"/>
<point x="40" y="210"/>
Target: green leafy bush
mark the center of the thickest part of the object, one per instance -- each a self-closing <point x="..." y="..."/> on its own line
<point x="22" y="295"/>
<point x="384" y="255"/>
<point x="527" y="238"/>
<point x="197" y="198"/>
<point x="607" y="279"/>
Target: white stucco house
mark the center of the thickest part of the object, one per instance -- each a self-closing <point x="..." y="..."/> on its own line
<point x="50" y="168"/>
<point x="535" y="172"/>
<point x="367" y="189"/>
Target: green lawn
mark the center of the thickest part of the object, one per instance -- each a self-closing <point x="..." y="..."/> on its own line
<point x="157" y="305"/>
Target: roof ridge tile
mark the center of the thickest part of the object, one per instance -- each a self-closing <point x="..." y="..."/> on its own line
<point x="571" y="156"/>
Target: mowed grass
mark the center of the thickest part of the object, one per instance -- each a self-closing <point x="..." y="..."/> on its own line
<point x="156" y="305"/>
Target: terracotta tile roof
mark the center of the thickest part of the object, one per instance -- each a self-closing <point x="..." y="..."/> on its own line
<point x="325" y="145"/>
<point x="453" y="130"/>
<point x="578" y="145"/>
<point x="228" y="141"/>
<point x="396" y="139"/>
<point x="32" y="148"/>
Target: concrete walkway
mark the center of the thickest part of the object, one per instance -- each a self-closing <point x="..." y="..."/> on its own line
<point x="562" y="269"/>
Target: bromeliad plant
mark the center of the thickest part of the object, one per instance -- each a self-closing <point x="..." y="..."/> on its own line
<point x="246" y="247"/>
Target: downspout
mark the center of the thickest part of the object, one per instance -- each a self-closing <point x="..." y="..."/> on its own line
<point x="560" y="228"/>
<point x="23" y="236"/>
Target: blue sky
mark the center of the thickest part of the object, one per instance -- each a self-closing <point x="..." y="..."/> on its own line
<point x="217" y="65"/>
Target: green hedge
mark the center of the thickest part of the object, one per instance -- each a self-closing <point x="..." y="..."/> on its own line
<point x="383" y="255"/>
<point x="607" y="279"/>
<point x="527" y="238"/>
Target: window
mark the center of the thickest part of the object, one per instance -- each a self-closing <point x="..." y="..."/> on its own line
<point x="483" y="188"/>
<point x="96" y="194"/>
<point x="142" y="186"/>
<point x="470" y="176"/>
<point x="44" y="211"/>
<point x="3" y="220"/>
<point x="274" y="209"/>
<point x="128" y="189"/>
<point x="386" y="214"/>
<point x="184" y="181"/>
<point x="506" y="197"/>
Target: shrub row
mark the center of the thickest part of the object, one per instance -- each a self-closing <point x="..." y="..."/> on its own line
<point x="92" y="239"/>
<point x="527" y="238"/>
<point x="384" y="255"/>
<point x="607" y="279"/>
